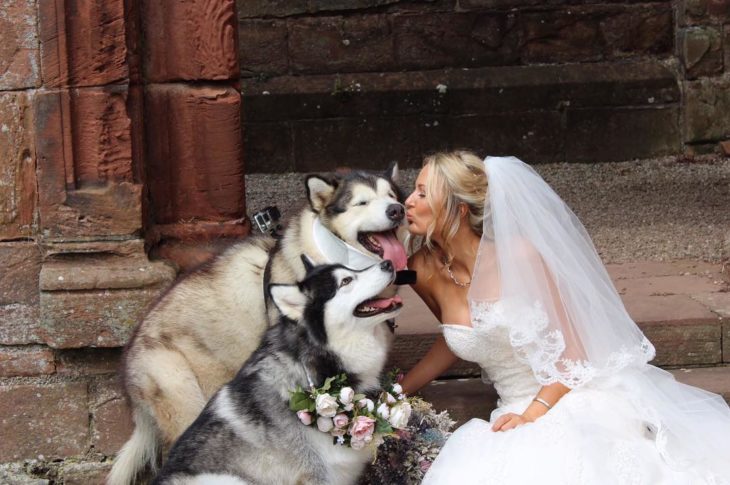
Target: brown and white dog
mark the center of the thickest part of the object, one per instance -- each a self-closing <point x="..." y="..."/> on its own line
<point x="197" y="336"/>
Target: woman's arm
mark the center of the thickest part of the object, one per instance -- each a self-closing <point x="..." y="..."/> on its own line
<point x="550" y="394"/>
<point x="439" y="357"/>
<point x="436" y="361"/>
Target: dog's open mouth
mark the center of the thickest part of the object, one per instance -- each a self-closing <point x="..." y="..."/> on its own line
<point x="386" y="245"/>
<point x="375" y="306"/>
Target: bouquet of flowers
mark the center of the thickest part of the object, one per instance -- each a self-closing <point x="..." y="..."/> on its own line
<point x="351" y="419"/>
<point x="406" y="455"/>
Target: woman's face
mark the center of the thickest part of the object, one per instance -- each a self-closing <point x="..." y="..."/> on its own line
<point x="418" y="212"/>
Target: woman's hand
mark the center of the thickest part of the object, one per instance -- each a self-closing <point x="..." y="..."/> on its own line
<point x="509" y="421"/>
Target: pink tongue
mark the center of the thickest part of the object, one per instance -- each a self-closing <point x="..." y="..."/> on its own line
<point x="384" y="302"/>
<point x="392" y="249"/>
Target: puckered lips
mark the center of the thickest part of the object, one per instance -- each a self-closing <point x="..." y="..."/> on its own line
<point x="386" y="245"/>
<point x="375" y="306"/>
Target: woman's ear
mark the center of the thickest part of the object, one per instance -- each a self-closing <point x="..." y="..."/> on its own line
<point x="463" y="210"/>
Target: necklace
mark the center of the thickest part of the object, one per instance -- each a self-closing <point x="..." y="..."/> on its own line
<point x="453" y="278"/>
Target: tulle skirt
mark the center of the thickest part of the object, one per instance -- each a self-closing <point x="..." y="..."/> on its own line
<point x="638" y="427"/>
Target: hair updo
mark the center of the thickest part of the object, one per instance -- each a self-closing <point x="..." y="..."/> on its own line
<point x="455" y="178"/>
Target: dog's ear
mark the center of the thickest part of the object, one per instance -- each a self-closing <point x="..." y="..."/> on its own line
<point x="392" y="172"/>
<point x="308" y="263"/>
<point x="289" y="300"/>
<point x="320" y="191"/>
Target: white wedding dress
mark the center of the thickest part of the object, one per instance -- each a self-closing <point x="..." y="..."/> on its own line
<point x="597" y="433"/>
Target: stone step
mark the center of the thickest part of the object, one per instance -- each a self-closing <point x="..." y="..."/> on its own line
<point x="468" y="398"/>
<point x="547" y="113"/>
<point x="683" y="307"/>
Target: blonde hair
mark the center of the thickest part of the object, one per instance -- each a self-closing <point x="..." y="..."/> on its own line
<point x="455" y="178"/>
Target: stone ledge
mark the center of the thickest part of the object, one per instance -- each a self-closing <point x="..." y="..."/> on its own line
<point x="471" y="398"/>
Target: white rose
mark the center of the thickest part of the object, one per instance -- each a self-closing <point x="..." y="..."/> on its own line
<point x="397" y="389"/>
<point x="349" y="406"/>
<point x="346" y="395"/>
<point x="383" y="411"/>
<point x="389" y="398"/>
<point x="399" y="415"/>
<point x="326" y="405"/>
<point x="324" y="424"/>
<point x="367" y="403"/>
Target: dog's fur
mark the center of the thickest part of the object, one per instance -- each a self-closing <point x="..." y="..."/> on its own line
<point x="195" y="338"/>
<point x="247" y="431"/>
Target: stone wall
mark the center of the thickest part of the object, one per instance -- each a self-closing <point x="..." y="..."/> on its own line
<point x="108" y="147"/>
<point x="364" y="82"/>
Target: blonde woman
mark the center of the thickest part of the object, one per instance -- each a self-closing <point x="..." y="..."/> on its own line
<point x="511" y="273"/>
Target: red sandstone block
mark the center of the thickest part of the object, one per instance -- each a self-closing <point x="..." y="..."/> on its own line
<point x="195" y="39"/>
<point x="341" y="44"/>
<point x="84" y="148"/>
<point x="667" y="285"/>
<point x="26" y="361"/>
<point x="83" y="43"/>
<point x="20" y="324"/>
<point x="19" y="57"/>
<point x="21" y="262"/>
<point x="111" y="418"/>
<point x="195" y="167"/>
<point x="86" y="473"/>
<point x="88" y="361"/>
<point x="17" y="166"/>
<point x="51" y="421"/>
<point x="92" y="318"/>
<point x="643" y="269"/>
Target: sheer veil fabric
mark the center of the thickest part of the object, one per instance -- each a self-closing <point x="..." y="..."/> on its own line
<point x="566" y="320"/>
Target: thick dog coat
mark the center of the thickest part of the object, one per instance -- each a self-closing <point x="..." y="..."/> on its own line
<point x="197" y="336"/>
<point x="247" y="433"/>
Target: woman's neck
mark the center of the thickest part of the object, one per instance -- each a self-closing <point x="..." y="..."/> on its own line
<point x="463" y="248"/>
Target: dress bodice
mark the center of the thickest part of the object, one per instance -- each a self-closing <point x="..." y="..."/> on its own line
<point x="489" y="346"/>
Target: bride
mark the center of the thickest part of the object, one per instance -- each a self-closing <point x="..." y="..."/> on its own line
<point x="515" y="279"/>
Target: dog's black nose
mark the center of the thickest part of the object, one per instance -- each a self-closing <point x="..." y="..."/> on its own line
<point x="395" y="212"/>
<point x="386" y="265"/>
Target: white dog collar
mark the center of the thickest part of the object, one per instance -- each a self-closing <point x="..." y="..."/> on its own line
<point x="335" y="250"/>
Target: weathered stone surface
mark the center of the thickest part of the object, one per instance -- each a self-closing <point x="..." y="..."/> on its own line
<point x="704" y="11"/>
<point x="713" y="379"/>
<point x="707" y="110"/>
<point x="366" y="143"/>
<point x="51" y="421"/>
<point x="285" y="8"/>
<point x="87" y="362"/>
<point x="85" y="473"/>
<point x="26" y="361"/>
<point x="262" y="45"/>
<point x="82" y="42"/>
<point x="19" y="278"/>
<point x="195" y="167"/>
<point x="644" y="269"/>
<point x="20" y="324"/>
<point x="92" y="318"/>
<point x="19" y="57"/>
<point x="702" y="51"/>
<point x="455" y="39"/>
<point x="85" y="165"/>
<point x="16" y="474"/>
<point x="268" y="146"/>
<point x="337" y="44"/>
<point x="726" y="46"/>
<point x="687" y="343"/>
<point x="462" y="398"/>
<point x="190" y="40"/>
<point x="111" y="419"/>
<point x="667" y="285"/>
<point x="602" y="135"/>
<point x="101" y="272"/>
<point x="591" y="33"/>
<point x="17" y="165"/>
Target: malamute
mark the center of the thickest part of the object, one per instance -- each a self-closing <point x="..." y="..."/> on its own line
<point x="197" y="336"/>
<point x="247" y="434"/>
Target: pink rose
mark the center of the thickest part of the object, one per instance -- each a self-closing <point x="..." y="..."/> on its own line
<point x="362" y="428"/>
<point x="304" y="417"/>
<point x="340" y="420"/>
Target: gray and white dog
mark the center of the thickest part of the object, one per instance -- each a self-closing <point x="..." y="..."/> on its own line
<point x="247" y="434"/>
<point x="197" y="336"/>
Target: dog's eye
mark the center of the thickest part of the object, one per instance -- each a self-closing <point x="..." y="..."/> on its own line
<point x="391" y="195"/>
<point x="345" y="281"/>
<point x="362" y="202"/>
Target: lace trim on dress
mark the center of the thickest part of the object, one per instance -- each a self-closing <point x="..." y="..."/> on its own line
<point x="543" y="348"/>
